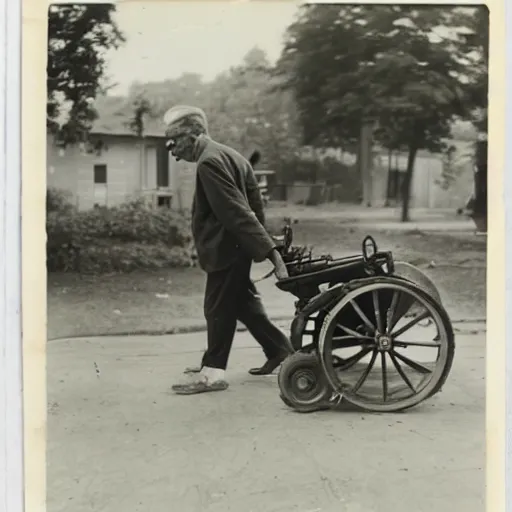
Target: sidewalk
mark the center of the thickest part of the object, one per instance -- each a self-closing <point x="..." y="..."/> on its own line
<point x="382" y="219"/>
<point x="120" y="442"/>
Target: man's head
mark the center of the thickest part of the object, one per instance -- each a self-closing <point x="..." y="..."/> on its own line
<point x="184" y="126"/>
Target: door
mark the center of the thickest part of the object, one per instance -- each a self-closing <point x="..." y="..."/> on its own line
<point x="162" y="177"/>
<point x="151" y="167"/>
<point x="100" y="185"/>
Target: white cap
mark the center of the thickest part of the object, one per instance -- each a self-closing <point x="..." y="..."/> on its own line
<point x="177" y="113"/>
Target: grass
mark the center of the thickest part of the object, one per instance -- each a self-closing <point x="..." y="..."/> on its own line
<point x="166" y="300"/>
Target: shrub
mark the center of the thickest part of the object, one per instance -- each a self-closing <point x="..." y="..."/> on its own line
<point x="58" y="200"/>
<point x="134" y="222"/>
<point x="122" y="238"/>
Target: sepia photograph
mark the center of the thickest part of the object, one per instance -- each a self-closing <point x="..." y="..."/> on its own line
<point x="266" y="256"/>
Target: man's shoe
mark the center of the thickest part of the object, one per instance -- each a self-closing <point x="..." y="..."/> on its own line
<point x="194" y="388"/>
<point x="269" y="366"/>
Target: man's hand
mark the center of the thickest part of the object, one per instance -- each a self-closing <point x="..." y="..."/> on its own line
<point x="280" y="268"/>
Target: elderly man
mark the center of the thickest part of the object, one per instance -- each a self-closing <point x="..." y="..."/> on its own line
<point x="229" y="234"/>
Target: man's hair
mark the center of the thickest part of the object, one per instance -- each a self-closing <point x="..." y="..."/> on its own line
<point x="192" y="124"/>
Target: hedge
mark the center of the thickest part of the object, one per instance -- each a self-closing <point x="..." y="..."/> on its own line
<point x="118" y="239"/>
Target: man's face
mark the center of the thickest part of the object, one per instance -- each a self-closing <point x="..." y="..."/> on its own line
<point x="182" y="146"/>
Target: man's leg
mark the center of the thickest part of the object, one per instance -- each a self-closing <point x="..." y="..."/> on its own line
<point x="274" y="342"/>
<point x="220" y="304"/>
<point x="222" y="290"/>
<point x="251" y="312"/>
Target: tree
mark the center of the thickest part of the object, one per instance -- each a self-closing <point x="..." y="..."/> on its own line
<point x="476" y="51"/>
<point x="385" y="63"/>
<point x="78" y="37"/>
<point x="141" y="107"/>
<point x="243" y="109"/>
<point x="259" y="115"/>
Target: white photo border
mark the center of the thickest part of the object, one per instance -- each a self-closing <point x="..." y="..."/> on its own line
<point x="11" y="394"/>
<point x="12" y="470"/>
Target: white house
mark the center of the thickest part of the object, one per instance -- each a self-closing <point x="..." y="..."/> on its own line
<point x="116" y="166"/>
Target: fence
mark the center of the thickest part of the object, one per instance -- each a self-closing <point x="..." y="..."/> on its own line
<point x="315" y="193"/>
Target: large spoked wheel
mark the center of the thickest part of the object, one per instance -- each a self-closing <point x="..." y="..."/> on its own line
<point x="401" y="340"/>
<point x="302" y="383"/>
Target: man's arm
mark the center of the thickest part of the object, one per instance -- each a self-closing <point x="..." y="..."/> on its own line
<point x="231" y="208"/>
<point x="254" y="196"/>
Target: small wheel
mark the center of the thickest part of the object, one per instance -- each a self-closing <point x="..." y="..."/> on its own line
<point x="389" y="380"/>
<point x="303" y="384"/>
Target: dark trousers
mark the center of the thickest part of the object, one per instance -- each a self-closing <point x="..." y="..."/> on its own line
<point x="230" y="296"/>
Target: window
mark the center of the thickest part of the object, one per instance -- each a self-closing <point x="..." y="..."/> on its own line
<point x="100" y="173"/>
<point x="164" y="202"/>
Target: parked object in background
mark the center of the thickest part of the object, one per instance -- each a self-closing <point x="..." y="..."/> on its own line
<point x="255" y="158"/>
<point x="261" y="176"/>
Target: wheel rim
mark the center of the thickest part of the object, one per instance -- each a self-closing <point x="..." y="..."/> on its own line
<point x="379" y="346"/>
<point x="305" y="386"/>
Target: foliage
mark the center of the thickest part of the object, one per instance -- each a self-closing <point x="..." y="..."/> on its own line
<point x="78" y="37"/>
<point x="454" y="164"/>
<point x="58" y="200"/>
<point x="477" y="43"/>
<point x="244" y="108"/>
<point x="387" y="64"/>
<point x="141" y="107"/>
<point x="328" y="170"/>
<point x="120" y="238"/>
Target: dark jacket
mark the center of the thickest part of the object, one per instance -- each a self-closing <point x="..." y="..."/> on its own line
<point x="227" y="211"/>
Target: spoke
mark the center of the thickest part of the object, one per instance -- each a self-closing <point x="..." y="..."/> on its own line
<point x="356" y="342"/>
<point x="384" y="376"/>
<point x="365" y="374"/>
<point x="354" y="334"/>
<point x="376" y="307"/>
<point x="414" y="365"/>
<point x="412" y="323"/>
<point x="354" y="359"/>
<point x="390" y="317"/>
<point x="364" y="318"/>
<point x="405" y="344"/>
<point x="401" y="372"/>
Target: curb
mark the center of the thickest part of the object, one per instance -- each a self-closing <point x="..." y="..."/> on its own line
<point x="196" y="328"/>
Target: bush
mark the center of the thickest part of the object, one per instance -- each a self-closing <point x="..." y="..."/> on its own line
<point x="58" y="200"/>
<point x="122" y="238"/>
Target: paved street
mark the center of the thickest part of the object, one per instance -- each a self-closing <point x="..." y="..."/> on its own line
<point x="120" y="442"/>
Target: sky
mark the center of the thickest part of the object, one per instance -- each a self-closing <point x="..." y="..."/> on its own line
<point x="166" y="39"/>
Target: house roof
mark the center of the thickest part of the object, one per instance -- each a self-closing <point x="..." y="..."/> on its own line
<point x="114" y="118"/>
<point x="121" y="126"/>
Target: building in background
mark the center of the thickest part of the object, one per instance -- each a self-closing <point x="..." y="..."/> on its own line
<point x="116" y="166"/>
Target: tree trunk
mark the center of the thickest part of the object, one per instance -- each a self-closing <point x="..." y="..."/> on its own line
<point x="406" y="190"/>
<point x="388" y="188"/>
<point x="480" y="204"/>
<point x="365" y="161"/>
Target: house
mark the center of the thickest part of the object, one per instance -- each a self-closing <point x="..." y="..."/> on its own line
<point x="437" y="183"/>
<point x="115" y="166"/>
<point x="429" y="188"/>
